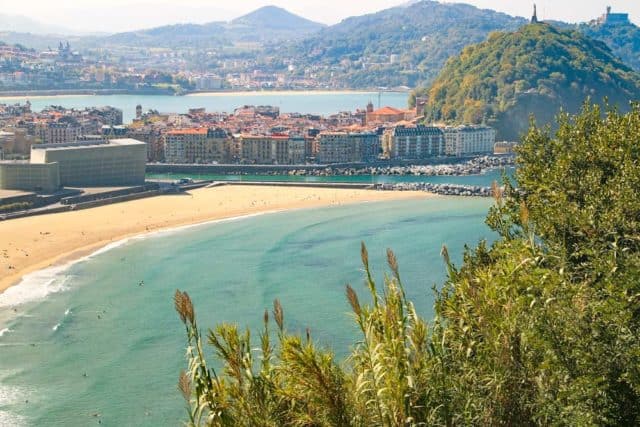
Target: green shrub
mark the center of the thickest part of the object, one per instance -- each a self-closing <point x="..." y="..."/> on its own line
<point x="540" y="328"/>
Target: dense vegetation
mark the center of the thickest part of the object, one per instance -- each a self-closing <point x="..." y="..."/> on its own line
<point x="423" y="35"/>
<point x="624" y="40"/>
<point x="13" y="207"/>
<point x="540" y="328"/>
<point x="535" y="70"/>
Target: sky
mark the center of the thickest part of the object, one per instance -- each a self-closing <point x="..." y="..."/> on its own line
<point x="122" y="15"/>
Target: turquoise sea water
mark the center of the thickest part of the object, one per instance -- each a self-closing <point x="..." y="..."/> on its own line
<point x="484" y="180"/>
<point x="127" y="339"/>
<point x="306" y="102"/>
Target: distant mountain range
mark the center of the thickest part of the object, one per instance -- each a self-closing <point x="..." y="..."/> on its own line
<point x="268" y="24"/>
<point x="421" y="36"/>
<point x="405" y="45"/>
<point x="23" y="24"/>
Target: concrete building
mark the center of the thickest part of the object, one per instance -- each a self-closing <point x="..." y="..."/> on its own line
<point x="413" y="142"/>
<point x="467" y="140"/>
<point x="25" y="176"/>
<point x="343" y="147"/>
<point x="118" y="162"/>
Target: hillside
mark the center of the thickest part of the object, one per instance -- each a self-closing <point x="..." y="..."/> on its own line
<point x="535" y="70"/>
<point x="421" y="36"/>
<point x="624" y="40"/>
<point x="268" y="24"/>
<point x="276" y="18"/>
<point x="18" y="23"/>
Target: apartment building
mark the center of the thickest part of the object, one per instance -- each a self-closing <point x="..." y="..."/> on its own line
<point x="344" y="147"/>
<point x="58" y="132"/>
<point x="413" y="142"/>
<point x="271" y="149"/>
<point x="197" y="145"/>
<point x="467" y="140"/>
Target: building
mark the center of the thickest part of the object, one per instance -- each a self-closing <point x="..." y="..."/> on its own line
<point x="197" y="145"/>
<point x="208" y="82"/>
<point x="180" y="141"/>
<point x="218" y="146"/>
<point x="24" y="176"/>
<point x="389" y="115"/>
<point x="613" y="18"/>
<point x="58" y="132"/>
<point x="467" y="140"/>
<point x="109" y="116"/>
<point x="504" y="147"/>
<point x="153" y="138"/>
<point x="118" y="162"/>
<point x="344" y="147"/>
<point x="413" y="142"/>
<point x="279" y="149"/>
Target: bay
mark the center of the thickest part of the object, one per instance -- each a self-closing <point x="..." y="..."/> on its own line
<point x="102" y="348"/>
<point x="324" y="103"/>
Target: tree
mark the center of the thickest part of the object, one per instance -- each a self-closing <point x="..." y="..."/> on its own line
<point x="541" y="327"/>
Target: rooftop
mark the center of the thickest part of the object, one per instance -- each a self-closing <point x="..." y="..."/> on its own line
<point x="388" y="110"/>
<point x="87" y="144"/>
<point x="192" y="131"/>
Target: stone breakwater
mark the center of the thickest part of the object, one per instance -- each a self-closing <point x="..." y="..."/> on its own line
<point x="442" y="189"/>
<point x="474" y="166"/>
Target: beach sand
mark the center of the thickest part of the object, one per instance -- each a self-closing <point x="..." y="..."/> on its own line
<point x="33" y="243"/>
<point x="283" y="93"/>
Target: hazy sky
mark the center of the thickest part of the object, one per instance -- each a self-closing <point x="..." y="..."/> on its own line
<point x="119" y="15"/>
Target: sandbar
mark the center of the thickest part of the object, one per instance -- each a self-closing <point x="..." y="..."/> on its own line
<point x="34" y="243"/>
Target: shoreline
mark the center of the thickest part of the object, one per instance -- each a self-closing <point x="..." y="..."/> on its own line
<point x="67" y="243"/>
<point x="43" y="94"/>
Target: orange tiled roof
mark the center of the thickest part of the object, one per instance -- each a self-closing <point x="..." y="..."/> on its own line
<point x="388" y="111"/>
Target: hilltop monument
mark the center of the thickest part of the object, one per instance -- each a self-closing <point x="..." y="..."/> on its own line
<point x="534" y="18"/>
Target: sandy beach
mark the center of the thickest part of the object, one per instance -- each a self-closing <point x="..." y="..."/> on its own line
<point x="282" y="93"/>
<point x="33" y="243"/>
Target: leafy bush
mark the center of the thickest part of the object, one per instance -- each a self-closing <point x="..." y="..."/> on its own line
<point x="540" y="328"/>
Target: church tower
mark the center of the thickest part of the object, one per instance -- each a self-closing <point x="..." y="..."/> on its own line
<point x="534" y="18"/>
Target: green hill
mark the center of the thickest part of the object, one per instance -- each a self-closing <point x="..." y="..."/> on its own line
<point x="535" y="70"/>
<point x="404" y="45"/>
<point x="624" y="40"/>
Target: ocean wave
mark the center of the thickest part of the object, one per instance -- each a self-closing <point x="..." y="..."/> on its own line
<point x="35" y="286"/>
<point x="11" y="395"/>
<point x="55" y="280"/>
<point x="5" y="331"/>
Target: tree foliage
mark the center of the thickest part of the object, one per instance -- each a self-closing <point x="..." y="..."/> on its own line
<point x="423" y="35"/>
<point x="535" y="70"/>
<point x="542" y="327"/>
<point x="623" y="39"/>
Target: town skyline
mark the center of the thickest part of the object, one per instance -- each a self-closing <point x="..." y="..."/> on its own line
<point x="126" y="15"/>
